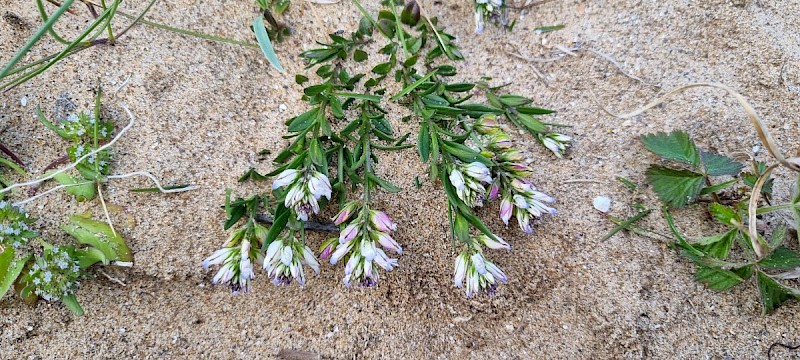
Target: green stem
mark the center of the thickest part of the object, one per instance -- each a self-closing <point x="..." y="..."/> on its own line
<point x="43" y="15"/>
<point x="190" y="33"/>
<point x="769" y="209"/>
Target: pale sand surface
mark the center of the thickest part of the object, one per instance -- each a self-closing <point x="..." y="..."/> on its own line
<point x="203" y="108"/>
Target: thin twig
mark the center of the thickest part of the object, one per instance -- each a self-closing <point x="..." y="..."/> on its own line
<point x="109" y="277"/>
<point x="59" y="187"/>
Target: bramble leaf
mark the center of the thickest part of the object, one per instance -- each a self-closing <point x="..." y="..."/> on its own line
<point x="781" y="258"/>
<point x="773" y="294"/>
<point x="674" y="146"/>
<point x="676" y="188"/>
<point x="717" y="165"/>
<point x="717" y="279"/>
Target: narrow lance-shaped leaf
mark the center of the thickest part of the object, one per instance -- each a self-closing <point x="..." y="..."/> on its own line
<point x="265" y="44"/>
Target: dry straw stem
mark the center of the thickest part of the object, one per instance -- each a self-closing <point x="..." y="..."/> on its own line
<point x="792" y="163"/>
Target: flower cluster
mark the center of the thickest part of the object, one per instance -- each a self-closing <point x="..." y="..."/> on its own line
<point x="305" y="188"/>
<point x="237" y="258"/>
<point x="14" y="222"/>
<point x="520" y="197"/>
<point x="285" y="258"/>
<point x="54" y="274"/>
<point x="83" y="129"/>
<point x="479" y="274"/>
<point x="486" y="9"/>
<point x="468" y="180"/>
<point x="555" y="142"/>
<point x="360" y="239"/>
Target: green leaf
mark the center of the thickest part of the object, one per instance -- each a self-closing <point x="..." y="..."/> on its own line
<point x="724" y="214"/>
<point x="546" y="29"/>
<point x="300" y="79"/>
<point x="71" y="302"/>
<point x="720" y="248"/>
<point x="781" y="258"/>
<point x="514" y="100"/>
<point x="414" y="85"/>
<point x="304" y="120"/>
<point x="10" y="268"/>
<point x="719" y="187"/>
<point x="251" y="174"/>
<point x="155" y="189"/>
<point x="533" y="125"/>
<point x="265" y="44"/>
<point x="717" y="165"/>
<point x="674" y="146"/>
<point x="534" y="110"/>
<point x="424" y="142"/>
<point x="463" y="152"/>
<point x="86" y="191"/>
<point x="278" y="224"/>
<point x="373" y="98"/>
<point x="777" y="236"/>
<point x="99" y="235"/>
<point x="773" y="294"/>
<point x="717" y="279"/>
<point x="386" y="185"/>
<point x="360" y="55"/>
<point x="675" y="188"/>
<point x="90" y="256"/>
<point x="382" y="69"/>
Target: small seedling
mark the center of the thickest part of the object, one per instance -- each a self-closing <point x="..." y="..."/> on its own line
<point x="334" y="156"/>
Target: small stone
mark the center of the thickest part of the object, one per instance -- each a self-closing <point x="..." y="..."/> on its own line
<point x="23" y="100"/>
<point x="282" y="107"/>
<point x="602" y="204"/>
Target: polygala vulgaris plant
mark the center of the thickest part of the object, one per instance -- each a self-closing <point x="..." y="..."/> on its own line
<point x="334" y="157"/>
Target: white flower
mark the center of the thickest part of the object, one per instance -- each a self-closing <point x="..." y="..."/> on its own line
<point x="286" y="177"/>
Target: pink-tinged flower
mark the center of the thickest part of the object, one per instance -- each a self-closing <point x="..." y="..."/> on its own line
<point x="327" y="249"/>
<point x="506" y="209"/>
<point x="500" y="141"/>
<point x="495" y="243"/>
<point x="237" y="266"/>
<point x="346" y="213"/>
<point x="381" y="221"/>
<point x="349" y="233"/>
<point x="487" y="124"/>
<point x="319" y="185"/>
<point x="284" y="261"/>
<point x="351" y="264"/>
<point x="494" y="190"/>
<point x="556" y="143"/>
<point x="387" y="242"/>
<point x="286" y="177"/>
<point x="385" y="261"/>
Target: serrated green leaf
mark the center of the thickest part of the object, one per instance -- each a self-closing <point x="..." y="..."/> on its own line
<point x="265" y="44"/>
<point x="717" y="279"/>
<point x="675" y="188"/>
<point x="717" y="165"/>
<point x="719" y="249"/>
<point x="773" y="294"/>
<point x="724" y="214"/>
<point x="781" y="258"/>
<point x="777" y="236"/>
<point x="674" y="146"/>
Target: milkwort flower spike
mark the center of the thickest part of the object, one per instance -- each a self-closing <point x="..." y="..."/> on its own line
<point x="486" y="9"/>
<point x="237" y="257"/>
<point x="363" y="241"/>
<point x="476" y="272"/>
<point x="285" y="258"/>
<point x="469" y="180"/>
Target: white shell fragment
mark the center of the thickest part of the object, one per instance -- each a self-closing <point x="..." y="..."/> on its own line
<point x="602" y="204"/>
<point x="23" y="100"/>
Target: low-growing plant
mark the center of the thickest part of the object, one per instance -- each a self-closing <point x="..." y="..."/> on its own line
<point x="748" y="248"/>
<point x="40" y="269"/>
<point x="334" y="156"/>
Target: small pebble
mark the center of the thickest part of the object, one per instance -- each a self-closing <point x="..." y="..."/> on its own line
<point x="23" y="100"/>
<point x="282" y="107"/>
<point x="602" y="204"/>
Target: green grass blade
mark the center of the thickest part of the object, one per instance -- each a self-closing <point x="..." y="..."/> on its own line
<point x="36" y="37"/>
<point x="51" y="31"/>
<point x="265" y="44"/>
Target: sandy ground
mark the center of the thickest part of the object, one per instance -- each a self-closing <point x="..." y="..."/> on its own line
<point x="203" y="108"/>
